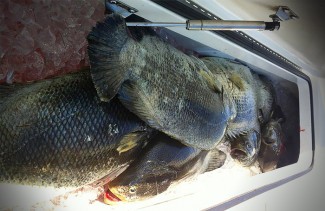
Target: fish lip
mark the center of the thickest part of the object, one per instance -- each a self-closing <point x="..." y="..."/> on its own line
<point x="245" y="158"/>
<point x="111" y="198"/>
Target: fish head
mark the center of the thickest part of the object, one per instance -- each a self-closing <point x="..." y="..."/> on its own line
<point x="245" y="148"/>
<point x="271" y="146"/>
<point x="129" y="186"/>
<point x="272" y="134"/>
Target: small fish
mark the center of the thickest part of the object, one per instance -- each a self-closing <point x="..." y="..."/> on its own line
<point x="58" y="133"/>
<point x="245" y="148"/>
<point x="164" y="162"/>
<point x="169" y="90"/>
<point x="271" y="146"/>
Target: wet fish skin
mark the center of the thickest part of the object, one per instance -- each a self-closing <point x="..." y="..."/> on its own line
<point x="265" y="97"/>
<point x="271" y="146"/>
<point x="253" y="97"/>
<point x="160" y="84"/>
<point x="57" y="132"/>
<point x="238" y="81"/>
<point x="164" y="162"/>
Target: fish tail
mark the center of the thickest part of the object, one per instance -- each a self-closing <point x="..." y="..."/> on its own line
<point x="217" y="159"/>
<point x="105" y="42"/>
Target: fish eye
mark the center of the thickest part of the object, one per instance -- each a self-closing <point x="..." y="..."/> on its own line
<point x="132" y="189"/>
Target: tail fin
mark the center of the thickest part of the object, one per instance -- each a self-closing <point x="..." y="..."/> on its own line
<point x="105" y="43"/>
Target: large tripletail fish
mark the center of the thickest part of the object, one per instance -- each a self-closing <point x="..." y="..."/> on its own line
<point x="57" y="132"/>
<point x="169" y="90"/>
<point x="165" y="162"/>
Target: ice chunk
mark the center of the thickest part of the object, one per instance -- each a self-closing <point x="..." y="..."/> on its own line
<point x="41" y="38"/>
<point x="24" y="43"/>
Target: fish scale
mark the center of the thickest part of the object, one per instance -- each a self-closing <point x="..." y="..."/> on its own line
<point x="253" y="97"/>
<point x="56" y="133"/>
<point x="243" y="93"/>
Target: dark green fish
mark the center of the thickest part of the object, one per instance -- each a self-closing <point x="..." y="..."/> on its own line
<point x="164" y="162"/>
<point x="169" y="90"/>
<point x="57" y="132"/>
<point x="271" y="146"/>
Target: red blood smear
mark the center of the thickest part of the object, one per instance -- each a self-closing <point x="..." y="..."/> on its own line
<point x="111" y="197"/>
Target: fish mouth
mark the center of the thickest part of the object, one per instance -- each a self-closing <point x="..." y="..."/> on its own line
<point x="238" y="154"/>
<point x="242" y="156"/>
<point x="110" y="198"/>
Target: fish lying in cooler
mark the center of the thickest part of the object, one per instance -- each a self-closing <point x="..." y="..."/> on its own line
<point x="164" y="162"/>
<point x="169" y="90"/>
<point x="57" y="132"/>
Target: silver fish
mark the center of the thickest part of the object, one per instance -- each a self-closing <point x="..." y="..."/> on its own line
<point x="170" y="91"/>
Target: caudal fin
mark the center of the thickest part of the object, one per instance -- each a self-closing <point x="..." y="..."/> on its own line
<point x="105" y="41"/>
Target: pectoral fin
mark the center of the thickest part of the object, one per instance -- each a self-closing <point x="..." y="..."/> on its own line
<point x="130" y="141"/>
<point x="210" y="81"/>
<point x="237" y="80"/>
